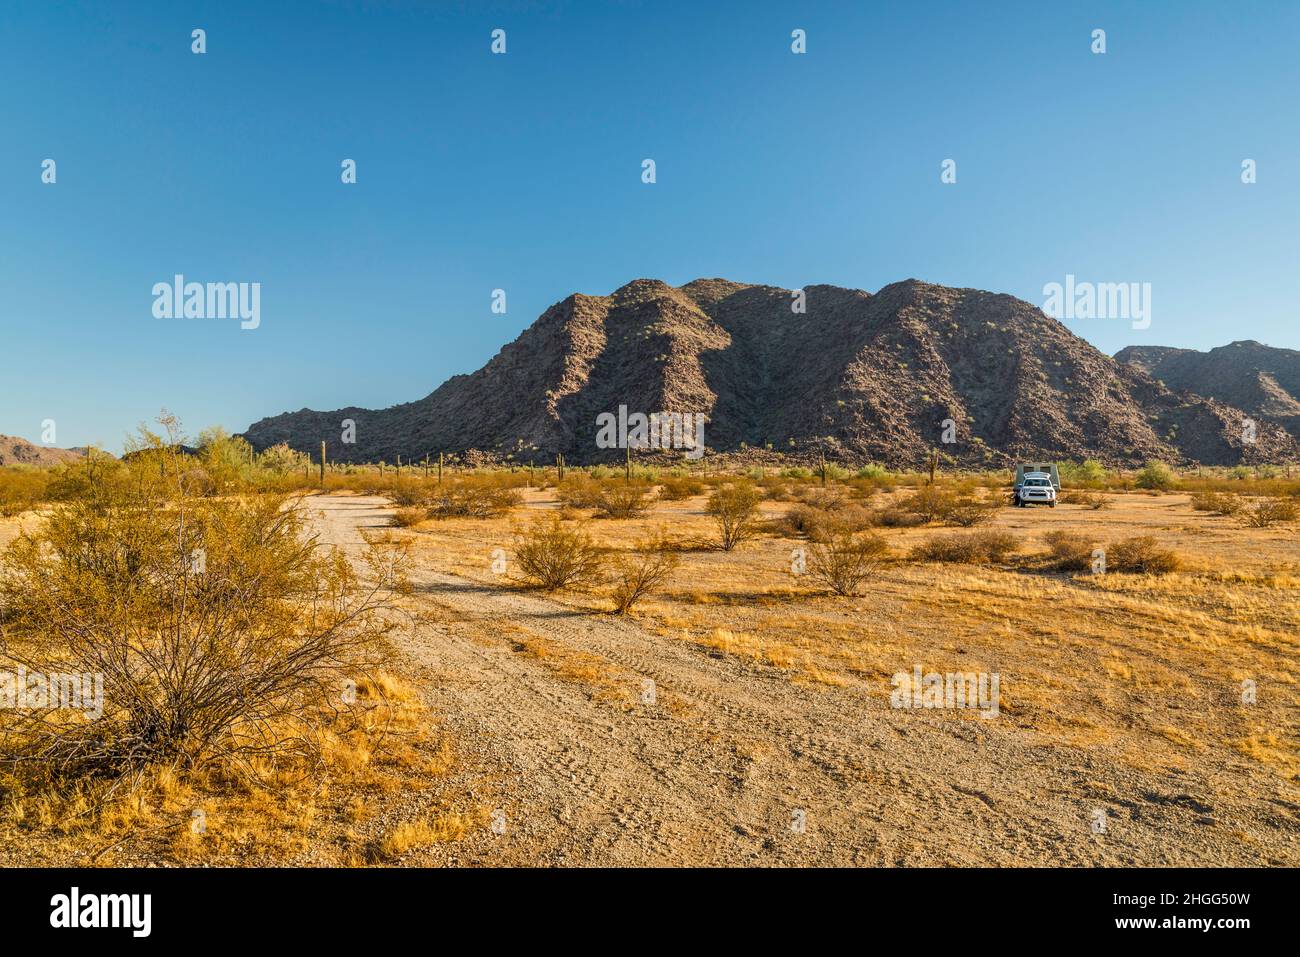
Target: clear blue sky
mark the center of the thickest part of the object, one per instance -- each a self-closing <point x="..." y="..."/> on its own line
<point x="522" y="172"/>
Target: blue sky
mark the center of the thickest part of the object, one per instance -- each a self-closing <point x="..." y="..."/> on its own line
<point x="523" y="172"/>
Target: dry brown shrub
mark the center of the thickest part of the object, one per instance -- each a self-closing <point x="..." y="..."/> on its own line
<point x="1083" y="497"/>
<point x="409" y="517"/>
<point x="679" y="488"/>
<point x="579" y="490"/>
<point x="1069" y="551"/>
<point x="553" y="555"/>
<point x="218" y="628"/>
<point x="1219" y="503"/>
<point x="814" y="523"/>
<point x="735" y="510"/>
<point x="843" y="560"/>
<point x="643" y="571"/>
<point x="623" y="500"/>
<point x="969" y="548"/>
<point x="473" y="497"/>
<point x="1141" y="555"/>
<point x="931" y="502"/>
<point x="898" y="517"/>
<point x="969" y="512"/>
<point x="1268" y="512"/>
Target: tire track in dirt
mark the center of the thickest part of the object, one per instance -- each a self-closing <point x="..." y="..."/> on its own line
<point x="589" y="781"/>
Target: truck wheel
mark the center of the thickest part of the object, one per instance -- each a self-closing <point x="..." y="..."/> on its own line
<point x="1053" y="503"/>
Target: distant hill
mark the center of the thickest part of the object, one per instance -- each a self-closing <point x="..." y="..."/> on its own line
<point x="862" y="376"/>
<point x="1259" y="379"/>
<point x="16" y="451"/>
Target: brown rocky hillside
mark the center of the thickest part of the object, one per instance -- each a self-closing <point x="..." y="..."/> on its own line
<point x="16" y="451"/>
<point x="1258" y="379"/>
<point x="860" y="376"/>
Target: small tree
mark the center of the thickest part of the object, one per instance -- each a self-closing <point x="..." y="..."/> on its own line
<point x="735" y="509"/>
<point x="1089" y="472"/>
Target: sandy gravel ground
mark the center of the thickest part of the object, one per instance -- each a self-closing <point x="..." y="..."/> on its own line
<point x="732" y="763"/>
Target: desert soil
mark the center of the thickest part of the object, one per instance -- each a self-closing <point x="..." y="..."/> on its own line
<point x="556" y="735"/>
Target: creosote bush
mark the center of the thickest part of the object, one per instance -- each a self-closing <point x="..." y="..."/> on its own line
<point x="554" y="555"/>
<point x="969" y="548"/>
<point x="219" y="628"/>
<point x="579" y="490"/>
<point x="930" y="502"/>
<point x="1086" y="498"/>
<point x="680" y="488"/>
<point x="735" y="511"/>
<point x="643" y="571"/>
<point x="473" y="497"/>
<point x="21" y="489"/>
<point x="813" y="522"/>
<point x="1218" y="503"/>
<point x="622" y="500"/>
<point x="842" y="560"/>
<point x="409" y="517"/>
<point x="1267" y="512"/>
<point x="1141" y="555"/>
<point x="1155" y="475"/>
<point x="1068" y="551"/>
<point x="969" y="512"/>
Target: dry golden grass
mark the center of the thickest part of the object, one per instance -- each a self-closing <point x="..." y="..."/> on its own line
<point x="1149" y="666"/>
<point x="270" y="813"/>
<point x="408" y="836"/>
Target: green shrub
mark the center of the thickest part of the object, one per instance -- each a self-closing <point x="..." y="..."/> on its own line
<point x="1154" y="475"/>
<point x="1090" y="472"/>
